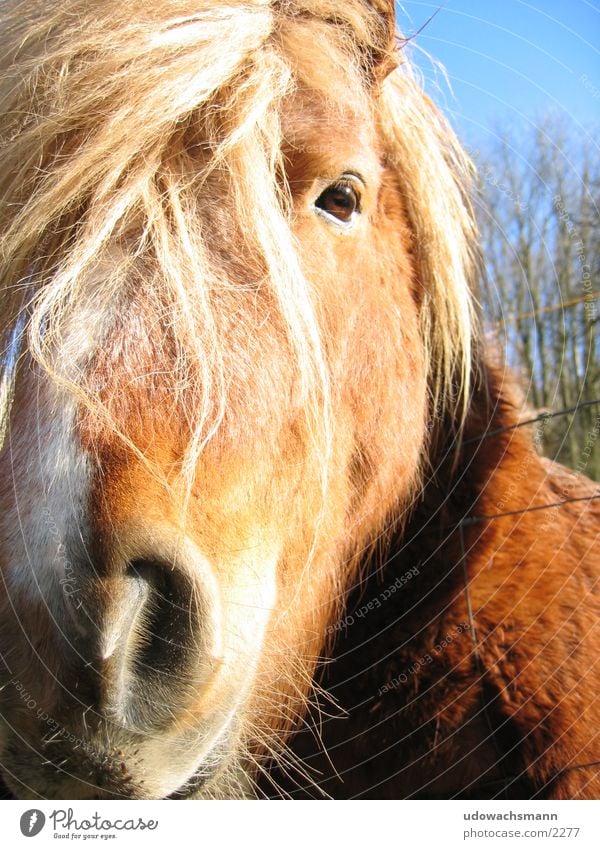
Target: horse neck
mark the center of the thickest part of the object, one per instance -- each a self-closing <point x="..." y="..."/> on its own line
<point x="477" y="481"/>
<point x="474" y="480"/>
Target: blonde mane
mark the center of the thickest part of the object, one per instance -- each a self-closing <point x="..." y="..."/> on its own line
<point x="113" y="118"/>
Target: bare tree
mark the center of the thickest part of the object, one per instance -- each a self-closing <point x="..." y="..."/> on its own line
<point x="538" y="212"/>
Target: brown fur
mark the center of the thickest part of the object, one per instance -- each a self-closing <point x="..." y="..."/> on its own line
<point x="246" y="380"/>
<point x="519" y="717"/>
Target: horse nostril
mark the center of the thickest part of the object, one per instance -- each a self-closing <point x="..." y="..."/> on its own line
<point x="152" y="641"/>
<point x="163" y="628"/>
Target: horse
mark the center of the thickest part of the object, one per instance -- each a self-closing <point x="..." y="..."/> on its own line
<point x="268" y="523"/>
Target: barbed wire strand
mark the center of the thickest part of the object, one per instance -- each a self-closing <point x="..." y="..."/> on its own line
<point x="479" y="664"/>
<point x="506" y="780"/>
<point x="542" y="417"/>
<point x="587" y="298"/>
<point x="471" y="520"/>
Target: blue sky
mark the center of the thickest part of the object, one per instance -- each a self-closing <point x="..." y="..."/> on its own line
<point x="510" y="61"/>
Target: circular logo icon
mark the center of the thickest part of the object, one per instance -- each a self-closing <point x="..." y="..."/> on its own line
<point x="32" y="822"/>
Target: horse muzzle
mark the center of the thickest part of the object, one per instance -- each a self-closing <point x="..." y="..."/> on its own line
<point x="136" y="693"/>
<point x="61" y="765"/>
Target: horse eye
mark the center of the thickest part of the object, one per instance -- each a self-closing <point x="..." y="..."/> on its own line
<point x="340" y="200"/>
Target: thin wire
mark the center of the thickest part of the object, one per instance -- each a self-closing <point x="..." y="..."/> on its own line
<point x="578" y="766"/>
<point x="463" y="558"/>
<point x="470" y="520"/>
<point x="542" y="417"/>
<point x="507" y="780"/>
<point x="583" y="298"/>
<point x="480" y="666"/>
<point x="512" y="778"/>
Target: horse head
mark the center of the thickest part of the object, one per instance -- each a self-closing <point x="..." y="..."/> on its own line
<point x="236" y="256"/>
